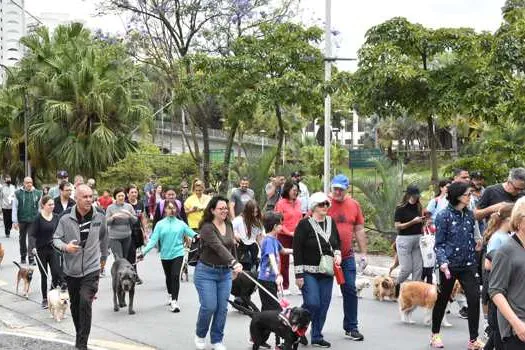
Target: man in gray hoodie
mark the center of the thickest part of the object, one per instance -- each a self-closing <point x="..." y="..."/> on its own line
<point x="81" y="235"/>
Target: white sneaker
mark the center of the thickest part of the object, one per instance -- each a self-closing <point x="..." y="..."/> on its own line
<point x="174" y="307"/>
<point x="200" y="343"/>
<point x="169" y="300"/>
<point x="218" y="346"/>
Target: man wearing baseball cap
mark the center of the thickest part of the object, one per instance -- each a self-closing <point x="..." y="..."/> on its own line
<point x="350" y="221"/>
<point x="62" y="176"/>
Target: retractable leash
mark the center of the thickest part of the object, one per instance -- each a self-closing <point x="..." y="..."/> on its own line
<point x="41" y="265"/>
<point x="282" y="302"/>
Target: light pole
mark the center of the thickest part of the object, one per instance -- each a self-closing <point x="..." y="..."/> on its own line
<point x="327" y="100"/>
<point x="262" y="141"/>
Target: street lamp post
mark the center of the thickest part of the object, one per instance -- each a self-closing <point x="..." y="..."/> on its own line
<point x="327" y="100"/>
<point x="262" y="141"/>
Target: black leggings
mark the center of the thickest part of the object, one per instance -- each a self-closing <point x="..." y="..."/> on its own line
<point x="494" y="341"/>
<point x="48" y="257"/>
<point x="513" y="343"/>
<point x="427" y="274"/>
<point x="172" y="272"/>
<point x="469" y="283"/>
<point x="267" y="302"/>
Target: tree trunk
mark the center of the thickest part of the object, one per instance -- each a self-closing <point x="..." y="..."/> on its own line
<point x="205" y="155"/>
<point x="280" y="137"/>
<point x="433" y="148"/>
<point x="225" y="170"/>
<point x="454" y="135"/>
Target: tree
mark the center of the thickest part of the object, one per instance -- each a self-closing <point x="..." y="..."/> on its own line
<point x="285" y="69"/>
<point x="398" y="72"/>
<point x="85" y="99"/>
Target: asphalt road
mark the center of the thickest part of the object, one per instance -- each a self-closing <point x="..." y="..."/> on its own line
<point x="153" y="326"/>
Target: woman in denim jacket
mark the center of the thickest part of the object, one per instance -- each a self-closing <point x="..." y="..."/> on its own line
<point x="456" y="257"/>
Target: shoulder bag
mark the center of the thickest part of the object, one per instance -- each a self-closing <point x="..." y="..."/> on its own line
<point x="326" y="264"/>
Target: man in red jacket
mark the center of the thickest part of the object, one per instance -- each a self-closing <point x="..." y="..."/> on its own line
<point x="346" y="212"/>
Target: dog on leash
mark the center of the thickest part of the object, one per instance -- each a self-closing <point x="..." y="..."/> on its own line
<point x="290" y="325"/>
<point x="24" y="274"/>
<point x="384" y="287"/>
<point x="413" y="294"/>
<point x="123" y="279"/>
<point x="360" y="284"/>
<point x="58" y="301"/>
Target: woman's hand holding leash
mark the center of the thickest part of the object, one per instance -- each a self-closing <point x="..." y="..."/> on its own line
<point x="299" y="282"/>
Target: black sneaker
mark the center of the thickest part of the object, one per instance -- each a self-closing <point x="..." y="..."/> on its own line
<point x="44" y="304"/>
<point x="321" y="343"/>
<point x="355" y="335"/>
<point x="23" y="261"/>
<point x="303" y="340"/>
<point x="463" y="313"/>
<point x="139" y="281"/>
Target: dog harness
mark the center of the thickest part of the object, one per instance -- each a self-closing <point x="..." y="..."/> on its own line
<point x="285" y="318"/>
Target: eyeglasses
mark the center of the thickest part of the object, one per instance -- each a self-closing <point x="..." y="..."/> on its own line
<point x="468" y="194"/>
<point x="324" y="204"/>
<point x="222" y="208"/>
<point x="517" y="188"/>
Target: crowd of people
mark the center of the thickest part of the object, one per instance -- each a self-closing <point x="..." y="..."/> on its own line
<point x="478" y="236"/>
<point x="478" y="241"/>
<point x="71" y="230"/>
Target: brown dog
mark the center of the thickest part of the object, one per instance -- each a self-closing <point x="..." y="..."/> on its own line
<point x="2" y="253"/>
<point x="384" y="286"/>
<point x="25" y="274"/>
<point x="414" y="294"/>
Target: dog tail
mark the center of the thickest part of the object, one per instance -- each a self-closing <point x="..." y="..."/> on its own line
<point x="17" y="264"/>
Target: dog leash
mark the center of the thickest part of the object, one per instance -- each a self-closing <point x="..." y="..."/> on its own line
<point x="41" y="265"/>
<point x="261" y="287"/>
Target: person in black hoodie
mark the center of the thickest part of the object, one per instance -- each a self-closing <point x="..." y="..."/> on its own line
<point x="41" y="245"/>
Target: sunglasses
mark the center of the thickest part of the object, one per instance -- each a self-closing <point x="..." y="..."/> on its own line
<point x="324" y="204"/>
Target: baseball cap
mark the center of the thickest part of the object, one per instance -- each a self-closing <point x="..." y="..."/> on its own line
<point x="316" y="199"/>
<point x="61" y="174"/>
<point x="477" y="175"/>
<point x="413" y="190"/>
<point x="340" y="181"/>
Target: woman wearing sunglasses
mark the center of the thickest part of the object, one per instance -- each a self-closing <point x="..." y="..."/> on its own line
<point x="315" y="237"/>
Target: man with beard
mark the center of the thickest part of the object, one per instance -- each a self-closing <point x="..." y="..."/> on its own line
<point x="240" y="196"/>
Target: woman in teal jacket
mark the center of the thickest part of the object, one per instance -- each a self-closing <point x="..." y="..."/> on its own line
<point x="170" y="232"/>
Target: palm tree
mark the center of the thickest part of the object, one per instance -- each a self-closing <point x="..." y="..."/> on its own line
<point x="86" y="98"/>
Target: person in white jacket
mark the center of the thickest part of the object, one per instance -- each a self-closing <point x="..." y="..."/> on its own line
<point x="304" y="194"/>
<point x="7" y="194"/>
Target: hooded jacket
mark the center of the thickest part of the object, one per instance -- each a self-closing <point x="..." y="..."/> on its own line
<point x="87" y="259"/>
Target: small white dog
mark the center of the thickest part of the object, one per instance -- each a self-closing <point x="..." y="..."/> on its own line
<point x="58" y="301"/>
<point x="360" y="284"/>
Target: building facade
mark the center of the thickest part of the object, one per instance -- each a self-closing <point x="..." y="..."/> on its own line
<point x="12" y="29"/>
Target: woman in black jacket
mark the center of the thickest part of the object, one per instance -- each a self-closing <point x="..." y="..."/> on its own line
<point x="315" y="235"/>
<point x="41" y="245"/>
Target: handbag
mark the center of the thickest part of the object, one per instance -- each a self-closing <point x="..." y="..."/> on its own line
<point x="326" y="264"/>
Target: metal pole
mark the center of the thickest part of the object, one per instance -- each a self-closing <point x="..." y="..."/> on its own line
<point x="26" y="159"/>
<point x="327" y="100"/>
<point x="183" y="114"/>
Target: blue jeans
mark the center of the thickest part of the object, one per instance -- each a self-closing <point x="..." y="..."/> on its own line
<point x="349" y="295"/>
<point x="214" y="286"/>
<point x="317" y="294"/>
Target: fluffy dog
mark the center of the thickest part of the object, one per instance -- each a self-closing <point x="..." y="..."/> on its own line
<point x="242" y="290"/>
<point x="24" y="274"/>
<point x="289" y="325"/>
<point x="384" y="286"/>
<point x="414" y="294"/>
<point x="57" y="301"/>
<point x="360" y="284"/>
<point x="123" y="278"/>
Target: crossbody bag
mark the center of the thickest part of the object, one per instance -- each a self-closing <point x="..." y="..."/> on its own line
<point x="326" y="264"/>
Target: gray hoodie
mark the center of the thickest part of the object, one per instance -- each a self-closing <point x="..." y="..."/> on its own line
<point x="87" y="259"/>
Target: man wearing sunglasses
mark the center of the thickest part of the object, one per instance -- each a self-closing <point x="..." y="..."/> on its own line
<point x="496" y="196"/>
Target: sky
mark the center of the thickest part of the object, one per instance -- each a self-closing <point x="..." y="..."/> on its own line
<point x="351" y="18"/>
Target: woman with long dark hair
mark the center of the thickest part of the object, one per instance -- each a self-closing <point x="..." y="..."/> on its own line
<point x="456" y="258"/>
<point x="289" y="206"/>
<point x="213" y="275"/>
<point x="408" y="220"/>
<point x="248" y="231"/>
<point x="120" y="217"/>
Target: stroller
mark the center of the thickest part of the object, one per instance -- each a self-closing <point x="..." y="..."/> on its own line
<point x="242" y="287"/>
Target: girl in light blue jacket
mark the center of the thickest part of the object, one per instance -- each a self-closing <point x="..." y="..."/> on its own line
<point x="170" y="233"/>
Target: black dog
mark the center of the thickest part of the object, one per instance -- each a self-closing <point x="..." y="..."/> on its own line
<point x="289" y="325"/>
<point x="242" y="290"/>
<point x="123" y="278"/>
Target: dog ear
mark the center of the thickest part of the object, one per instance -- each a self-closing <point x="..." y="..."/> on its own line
<point x="385" y="283"/>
